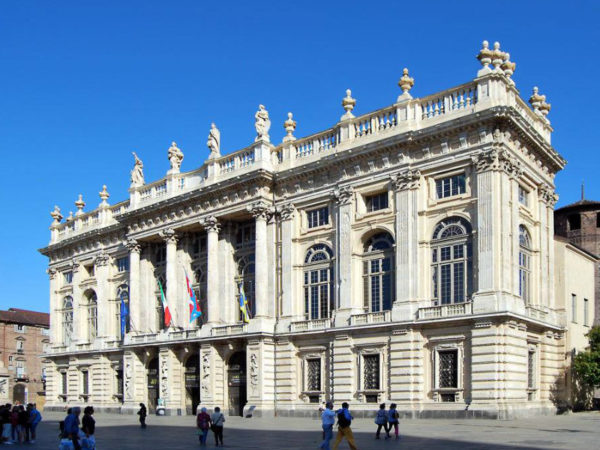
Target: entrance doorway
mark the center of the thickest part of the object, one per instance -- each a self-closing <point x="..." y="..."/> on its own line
<point x="236" y="381"/>
<point x="19" y="393"/>
<point x="192" y="384"/>
<point x="153" y="385"/>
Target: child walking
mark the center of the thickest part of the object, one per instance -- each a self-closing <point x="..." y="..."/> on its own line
<point x="381" y="419"/>
<point x="393" y="420"/>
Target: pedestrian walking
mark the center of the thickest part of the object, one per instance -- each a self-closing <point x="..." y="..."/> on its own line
<point x="14" y="424"/>
<point x="88" y="427"/>
<point x="34" y="419"/>
<point x="203" y="423"/>
<point x="218" y="419"/>
<point x="5" y="423"/>
<point x="142" y="413"/>
<point x="381" y="419"/>
<point x="393" y="417"/>
<point x="344" y="430"/>
<point x="71" y="427"/>
<point x="328" y="420"/>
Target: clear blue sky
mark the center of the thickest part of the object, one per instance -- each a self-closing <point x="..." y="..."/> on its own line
<point x="85" y="83"/>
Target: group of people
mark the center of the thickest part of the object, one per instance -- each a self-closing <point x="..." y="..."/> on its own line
<point x="18" y="423"/>
<point x="213" y="422"/>
<point x="385" y="419"/>
<point x="76" y="434"/>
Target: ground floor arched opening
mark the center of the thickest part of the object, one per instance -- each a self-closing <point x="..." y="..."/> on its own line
<point x="153" y="385"/>
<point x="236" y="383"/>
<point x="192" y="383"/>
<point x="19" y="393"/>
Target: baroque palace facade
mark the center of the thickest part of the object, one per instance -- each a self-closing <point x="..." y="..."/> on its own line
<point x="404" y="255"/>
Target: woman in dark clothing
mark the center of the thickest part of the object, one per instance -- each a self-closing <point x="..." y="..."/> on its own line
<point x="142" y="413"/>
<point x="88" y="426"/>
<point x="22" y="421"/>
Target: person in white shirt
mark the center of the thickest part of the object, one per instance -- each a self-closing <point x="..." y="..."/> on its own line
<point x="328" y="420"/>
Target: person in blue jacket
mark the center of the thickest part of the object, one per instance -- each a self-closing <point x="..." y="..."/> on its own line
<point x="34" y="419"/>
<point x="328" y="420"/>
<point x="344" y="430"/>
<point x="72" y="427"/>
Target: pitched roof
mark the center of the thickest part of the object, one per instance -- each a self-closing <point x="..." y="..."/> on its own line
<point x="580" y="204"/>
<point x="25" y="317"/>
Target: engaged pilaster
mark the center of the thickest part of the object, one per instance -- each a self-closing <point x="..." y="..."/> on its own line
<point x="105" y="307"/>
<point x="212" y="227"/>
<point x="135" y="307"/>
<point x="343" y="236"/>
<point x="288" y="302"/>
<point x="259" y="210"/>
<point x="171" y="238"/>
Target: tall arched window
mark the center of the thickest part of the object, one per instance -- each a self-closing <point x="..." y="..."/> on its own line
<point x="245" y="275"/>
<point x="67" y="320"/>
<point x="123" y="311"/>
<point x="92" y="307"/>
<point x="318" y="282"/>
<point x="524" y="263"/>
<point x="378" y="273"/>
<point x="451" y="261"/>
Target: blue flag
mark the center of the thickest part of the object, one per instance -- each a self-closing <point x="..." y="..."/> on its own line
<point x="243" y="304"/>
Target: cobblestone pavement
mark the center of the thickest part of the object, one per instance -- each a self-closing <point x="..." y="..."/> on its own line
<point x="574" y="431"/>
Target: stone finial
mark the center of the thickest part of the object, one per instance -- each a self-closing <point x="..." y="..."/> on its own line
<point x="497" y="56"/>
<point x="56" y="215"/>
<point x="485" y="56"/>
<point x="508" y="67"/>
<point x="214" y="142"/>
<point x="290" y="126"/>
<point x="536" y="100"/>
<point x="405" y="83"/>
<point x="70" y="217"/>
<point x="348" y="103"/>
<point x="80" y="204"/>
<point x="104" y="196"/>
<point x="545" y="108"/>
<point x="262" y="124"/>
<point x="175" y="156"/>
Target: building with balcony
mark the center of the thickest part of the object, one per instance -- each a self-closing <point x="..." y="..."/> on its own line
<point x="405" y="255"/>
<point x="24" y="337"/>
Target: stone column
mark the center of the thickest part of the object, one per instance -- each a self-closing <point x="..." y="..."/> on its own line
<point x="79" y="311"/>
<point x="289" y="308"/>
<point x="135" y="300"/>
<point x="171" y="238"/>
<point x="406" y="188"/>
<point x="343" y="252"/>
<point x="212" y="269"/>
<point x="105" y="313"/>
<point x="261" y="275"/>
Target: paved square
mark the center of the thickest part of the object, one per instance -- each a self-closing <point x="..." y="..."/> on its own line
<point x="575" y="431"/>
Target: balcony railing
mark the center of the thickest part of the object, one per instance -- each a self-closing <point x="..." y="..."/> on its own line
<point x="449" y="310"/>
<point x="371" y="317"/>
<point x="536" y="313"/>
<point x="229" y="330"/>
<point x="308" y="325"/>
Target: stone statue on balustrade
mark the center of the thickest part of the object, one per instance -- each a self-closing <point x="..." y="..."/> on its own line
<point x="175" y="157"/>
<point x="262" y="124"/>
<point x="137" y="173"/>
<point x="214" y="142"/>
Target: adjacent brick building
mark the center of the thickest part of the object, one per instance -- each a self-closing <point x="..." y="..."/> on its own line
<point x="24" y="337"/>
<point x="579" y="222"/>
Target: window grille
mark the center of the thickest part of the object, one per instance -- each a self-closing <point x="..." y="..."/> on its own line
<point x="85" y="384"/>
<point x="313" y="376"/>
<point x="63" y="376"/>
<point x="377" y="202"/>
<point x="371" y="372"/>
<point x="448" y="369"/>
<point x="450" y="186"/>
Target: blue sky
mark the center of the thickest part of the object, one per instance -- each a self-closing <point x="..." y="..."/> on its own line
<point x="85" y="83"/>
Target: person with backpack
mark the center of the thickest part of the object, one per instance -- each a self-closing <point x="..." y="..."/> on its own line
<point x="203" y="424"/>
<point x="381" y="419"/>
<point x="142" y="413"/>
<point x="393" y="417"/>
<point x="328" y="420"/>
<point x="344" y="430"/>
<point x="218" y="419"/>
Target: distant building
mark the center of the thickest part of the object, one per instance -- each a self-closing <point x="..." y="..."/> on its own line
<point x="579" y="222"/>
<point x="24" y="337"/>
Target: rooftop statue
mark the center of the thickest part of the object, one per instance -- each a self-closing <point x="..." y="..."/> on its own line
<point x="214" y="142"/>
<point x="137" y="173"/>
<point x="175" y="157"/>
<point x="262" y="124"/>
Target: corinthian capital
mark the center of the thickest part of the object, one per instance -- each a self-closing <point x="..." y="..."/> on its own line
<point x="260" y="210"/>
<point x="343" y="195"/>
<point x="133" y="245"/>
<point x="211" y="224"/>
<point x="547" y="195"/>
<point x="286" y="211"/>
<point x="51" y="271"/>
<point x="102" y="259"/>
<point x="497" y="160"/>
<point x="169" y="236"/>
<point x="407" y="179"/>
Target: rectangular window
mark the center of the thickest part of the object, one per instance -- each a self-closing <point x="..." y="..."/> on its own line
<point x="85" y="382"/>
<point x="585" y="312"/>
<point x="91" y="271"/>
<point x="45" y="331"/>
<point x="68" y="276"/>
<point x="123" y="264"/>
<point x="63" y="376"/>
<point x="448" y="369"/>
<point x="317" y="217"/>
<point x="371" y="372"/>
<point x="20" y="369"/>
<point x="450" y="186"/>
<point x="574" y="222"/>
<point x="119" y="376"/>
<point x="377" y="202"/>
<point x="20" y="346"/>
<point x="523" y="197"/>
<point x="20" y="328"/>
<point x="531" y="369"/>
<point x="313" y="374"/>
<point x="573" y="308"/>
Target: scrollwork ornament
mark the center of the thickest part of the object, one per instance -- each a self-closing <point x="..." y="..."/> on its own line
<point x="211" y="224"/>
<point x="407" y="179"/>
<point x="260" y="210"/>
<point x="169" y="236"/>
<point x="495" y="159"/>
<point x="287" y="211"/>
<point x="51" y="271"/>
<point x="547" y="195"/>
<point x="102" y="259"/>
<point x="343" y="195"/>
<point x="133" y="245"/>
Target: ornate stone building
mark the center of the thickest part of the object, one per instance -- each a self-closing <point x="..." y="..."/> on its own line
<point x="402" y="255"/>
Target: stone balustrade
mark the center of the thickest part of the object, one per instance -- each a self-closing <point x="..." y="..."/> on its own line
<point x="537" y="313"/>
<point x="450" y="310"/>
<point x="372" y="317"/>
<point x="309" y="325"/>
<point x="229" y="330"/>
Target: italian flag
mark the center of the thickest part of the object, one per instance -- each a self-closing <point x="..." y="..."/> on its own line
<point x="165" y="306"/>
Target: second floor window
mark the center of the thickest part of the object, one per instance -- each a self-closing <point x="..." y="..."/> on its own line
<point x="376" y="202"/>
<point x="67" y="320"/>
<point x="68" y="277"/>
<point x="92" y="307"/>
<point x="523" y="196"/>
<point x="450" y="186"/>
<point x="317" y="217"/>
<point x="378" y="273"/>
<point x="318" y="282"/>
<point x="524" y="264"/>
<point x="123" y="264"/>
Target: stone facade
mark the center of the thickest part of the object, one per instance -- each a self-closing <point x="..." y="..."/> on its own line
<point x="403" y="255"/>
<point x="579" y="222"/>
<point x="24" y="337"/>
